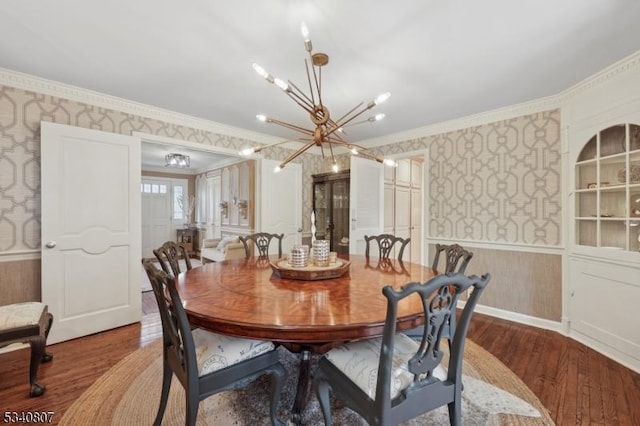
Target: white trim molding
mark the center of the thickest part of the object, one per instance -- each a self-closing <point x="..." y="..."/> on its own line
<point x="52" y="88"/>
<point x="495" y="245"/>
<point x="516" y="317"/>
<point x="20" y="255"/>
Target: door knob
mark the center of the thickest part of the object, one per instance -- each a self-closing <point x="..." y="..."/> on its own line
<point x="50" y="244"/>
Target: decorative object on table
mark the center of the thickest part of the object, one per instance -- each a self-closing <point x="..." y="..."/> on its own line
<point x="299" y="256"/>
<point x="320" y="249"/>
<point x="634" y="175"/>
<point x="313" y="226"/>
<point x="283" y="269"/>
<point x="333" y="257"/>
<point x="325" y="132"/>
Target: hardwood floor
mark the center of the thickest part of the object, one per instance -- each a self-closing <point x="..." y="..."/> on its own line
<point x="576" y="384"/>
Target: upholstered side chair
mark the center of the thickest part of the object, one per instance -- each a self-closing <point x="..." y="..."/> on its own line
<point x="169" y="255"/>
<point x="206" y="363"/>
<point x="391" y="379"/>
<point x="261" y="240"/>
<point x="28" y="322"/>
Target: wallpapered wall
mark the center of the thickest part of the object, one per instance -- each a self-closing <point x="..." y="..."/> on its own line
<point x="498" y="182"/>
<point x="20" y="115"/>
<point x="495" y="182"/>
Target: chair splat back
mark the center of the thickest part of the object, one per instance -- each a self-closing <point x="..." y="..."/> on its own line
<point x="408" y="379"/>
<point x="176" y="331"/>
<point x="169" y="255"/>
<point x="226" y="362"/>
<point x="385" y="245"/>
<point x="261" y="240"/>
<point x="456" y="257"/>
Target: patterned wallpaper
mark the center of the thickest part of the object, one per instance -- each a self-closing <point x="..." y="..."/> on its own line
<point x="498" y="182"/>
<point x="20" y="115"/>
<point x="495" y="182"/>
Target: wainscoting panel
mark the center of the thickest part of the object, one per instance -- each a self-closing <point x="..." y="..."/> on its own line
<point x="20" y="281"/>
<point x="521" y="282"/>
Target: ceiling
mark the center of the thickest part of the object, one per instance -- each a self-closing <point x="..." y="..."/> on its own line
<point x="440" y="60"/>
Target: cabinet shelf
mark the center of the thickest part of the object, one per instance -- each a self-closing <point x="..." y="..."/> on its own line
<point x="607" y="198"/>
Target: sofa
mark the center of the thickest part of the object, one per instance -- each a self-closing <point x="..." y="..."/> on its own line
<point x="219" y="249"/>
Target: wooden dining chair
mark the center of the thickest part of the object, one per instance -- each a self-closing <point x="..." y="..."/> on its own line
<point x="28" y="322"/>
<point x="206" y="363"/>
<point x="261" y="240"/>
<point x="169" y="255"/>
<point x="457" y="259"/>
<point x="385" y="245"/>
<point x="391" y="379"/>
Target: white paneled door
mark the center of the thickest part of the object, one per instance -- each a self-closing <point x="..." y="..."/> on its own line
<point x="156" y="214"/>
<point x="91" y="239"/>
<point x="367" y="202"/>
<point x="280" y="203"/>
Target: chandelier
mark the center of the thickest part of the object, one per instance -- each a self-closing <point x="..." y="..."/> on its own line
<point x="177" y="160"/>
<point x="325" y="132"/>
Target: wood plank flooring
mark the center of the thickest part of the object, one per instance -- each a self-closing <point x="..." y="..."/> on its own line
<point x="577" y="385"/>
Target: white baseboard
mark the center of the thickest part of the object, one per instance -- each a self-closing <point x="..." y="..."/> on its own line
<point x="608" y="351"/>
<point x="519" y="318"/>
<point x="562" y="328"/>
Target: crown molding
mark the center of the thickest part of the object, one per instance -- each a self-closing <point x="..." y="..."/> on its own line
<point x="556" y="101"/>
<point x="48" y="87"/>
<point x="626" y="64"/>
<point x="52" y="88"/>
<point x="500" y="114"/>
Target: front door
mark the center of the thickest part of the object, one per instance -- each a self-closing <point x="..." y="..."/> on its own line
<point x="91" y="239"/>
<point x="156" y="214"/>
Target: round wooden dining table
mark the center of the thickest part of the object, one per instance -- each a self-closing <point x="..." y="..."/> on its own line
<point x="245" y="298"/>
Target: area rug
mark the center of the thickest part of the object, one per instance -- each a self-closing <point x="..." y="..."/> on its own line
<point x="130" y="391"/>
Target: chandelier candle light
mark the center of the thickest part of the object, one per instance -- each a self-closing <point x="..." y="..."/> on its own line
<point x="325" y="132"/>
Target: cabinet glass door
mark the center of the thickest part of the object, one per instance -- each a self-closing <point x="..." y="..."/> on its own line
<point x="607" y="190"/>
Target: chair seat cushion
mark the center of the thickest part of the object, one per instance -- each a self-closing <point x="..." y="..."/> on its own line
<point x="217" y="351"/>
<point x="360" y="360"/>
<point x="21" y="315"/>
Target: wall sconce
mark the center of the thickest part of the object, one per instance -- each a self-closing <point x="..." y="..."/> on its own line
<point x="243" y="207"/>
<point x="224" y="209"/>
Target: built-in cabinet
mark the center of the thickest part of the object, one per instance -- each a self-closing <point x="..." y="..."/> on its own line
<point x="602" y="125"/>
<point x="237" y="197"/>
<point x="331" y="208"/>
<point x="403" y="204"/>
<point x="607" y="190"/>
